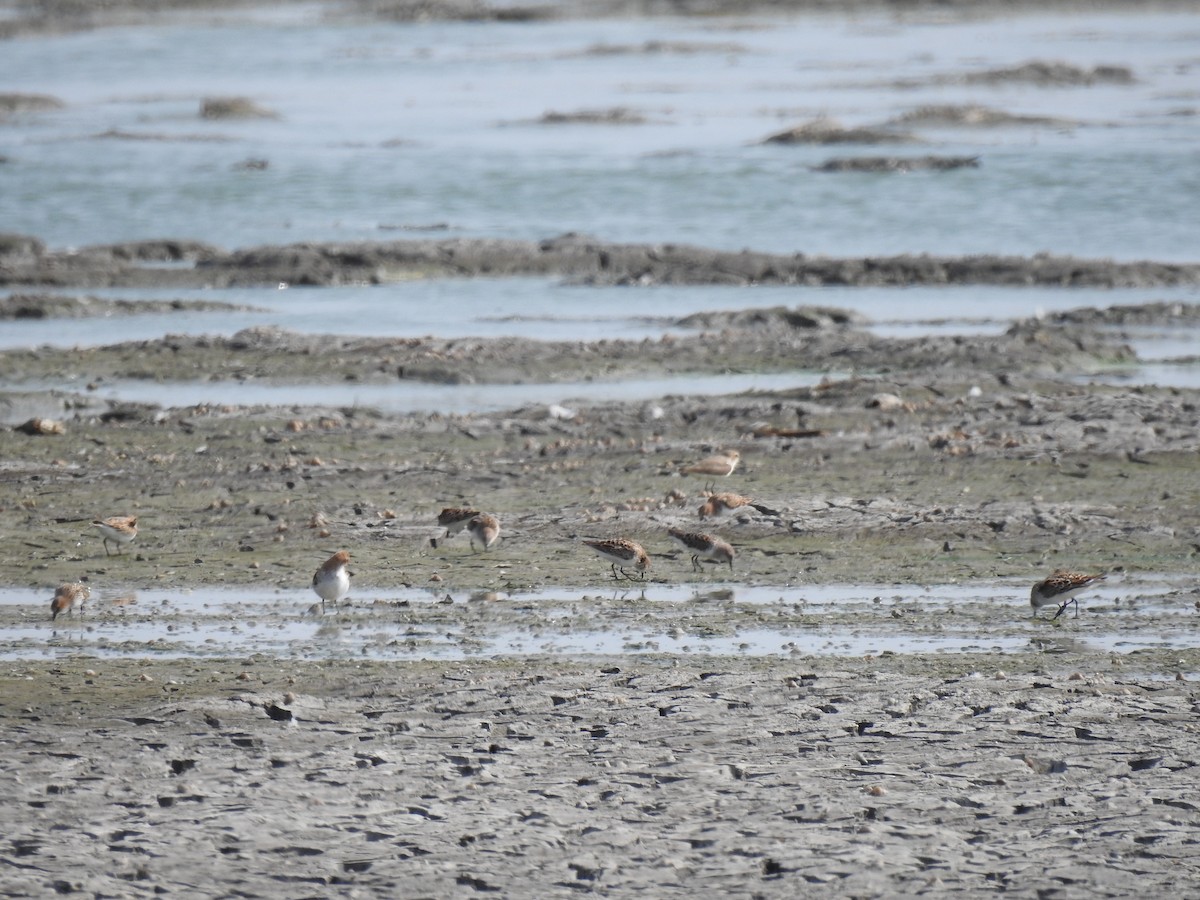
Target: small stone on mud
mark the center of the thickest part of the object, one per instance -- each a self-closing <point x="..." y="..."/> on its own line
<point x="1044" y="766"/>
<point x="885" y="402"/>
<point x="41" y="426"/>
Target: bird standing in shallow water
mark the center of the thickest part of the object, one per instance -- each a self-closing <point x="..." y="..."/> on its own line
<point x="620" y="554"/>
<point x="67" y="597"/>
<point x="332" y="580"/>
<point x="1061" y="588"/>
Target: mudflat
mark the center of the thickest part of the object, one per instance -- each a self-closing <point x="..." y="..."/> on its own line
<point x="1060" y="767"/>
<point x="700" y="730"/>
<point x="547" y="777"/>
<point x="948" y="458"/>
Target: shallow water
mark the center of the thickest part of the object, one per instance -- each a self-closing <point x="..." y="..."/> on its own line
<point x="388" y="130"/>
<point x="550" y="310"/>
<point x="714" y="619"/>
<point x="1171" y="375"/>
<point x="399" y="129"/>
<point x="418" y="397"/>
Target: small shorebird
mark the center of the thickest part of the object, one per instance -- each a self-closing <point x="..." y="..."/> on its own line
<point x="1061" y="588"/>
<point x="621" y="553"/>
<point x="67" y="597"/>
<point x="720" y="465"/>
<point x="332" y="580"/>
<point x="718" y="505"/>
<point x="118" y="529"/>
<point x="453" y="519"/>
<point x="484" y="530"/>
<point x="703" y="545"/>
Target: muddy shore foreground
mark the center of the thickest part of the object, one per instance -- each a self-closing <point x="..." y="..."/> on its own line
<point x="543" y="777"/>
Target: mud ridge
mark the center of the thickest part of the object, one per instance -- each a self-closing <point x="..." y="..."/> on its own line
<point x="25" y="261"/>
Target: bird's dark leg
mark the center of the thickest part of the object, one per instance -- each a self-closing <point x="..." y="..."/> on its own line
<point x="1062" y="608"/>
<point x="696" y="562"/>
<point x="616" y="577"/>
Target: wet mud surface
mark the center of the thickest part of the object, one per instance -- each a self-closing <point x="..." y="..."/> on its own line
<point x="26" y="262"/>
<point x="58" y="306"/>
<point x="64" y="16"/>
<point x="778" y="341"/>
<point x="515" y="721"/>
<point x="619" y="776"/>
<point x="917" y="482"/>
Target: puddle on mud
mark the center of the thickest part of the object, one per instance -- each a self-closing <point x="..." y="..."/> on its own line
<point x="716" y="620"/>
<point x="401" y="398"/>
<point x="1183" y="375"/>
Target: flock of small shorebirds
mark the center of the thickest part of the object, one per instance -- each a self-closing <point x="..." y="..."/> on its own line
<point x="332" y="580"/>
